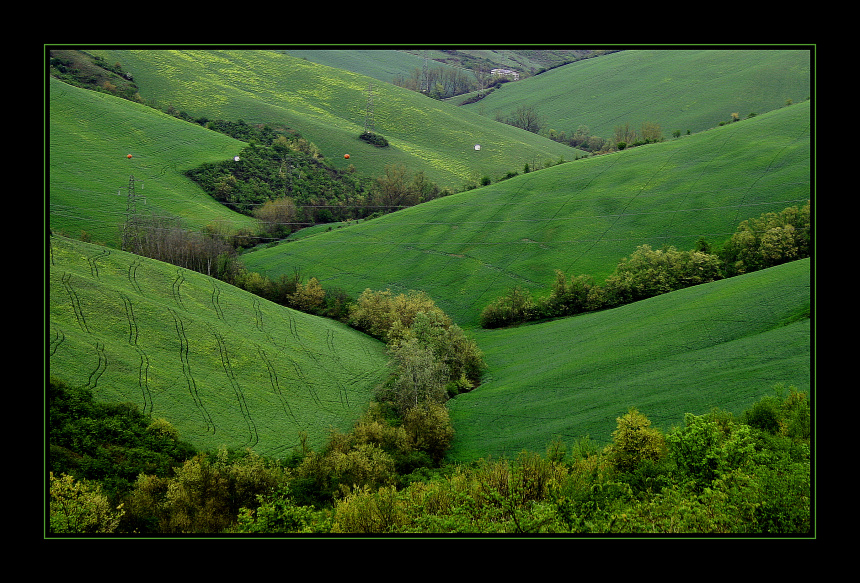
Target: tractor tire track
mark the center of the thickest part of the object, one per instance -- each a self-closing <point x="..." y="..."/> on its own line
<point x="629" y="200"/>
<point x="253" y="437"/>
<point x="344" y="401"/>
<point x="92" y="260"/>
<point x="294" y="332"/>
<point x="101" y="366"/>
<point x="764" y="172"/>
<point x="186" y="371"/>
<point x="76" y="303"/>
<point x="143" y="367"/>
<point x="216" y="302"/>
<point x="56" y="341"/>
<point x="276" y="385"/>
<point x="258" y="316"/>
<point x="132" y="275"/>
<point x="180" y="279"/>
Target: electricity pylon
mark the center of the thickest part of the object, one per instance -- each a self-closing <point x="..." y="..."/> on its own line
<point x="130" y="229"/>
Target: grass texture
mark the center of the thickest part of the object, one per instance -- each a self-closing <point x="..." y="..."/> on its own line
<point x="225" y="367"/>
<point x="724" y="344"/>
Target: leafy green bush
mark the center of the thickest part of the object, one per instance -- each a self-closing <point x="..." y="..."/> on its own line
<point x="278" y="513"/>
<point x="80" y="507"/>
<point x="412" y="325"/>
<point x="204" y="495"/>
<point x="108" y="443"/>
<point x="786" y="412"/>
<point x="708" y="447"/>
<point x="635" y="441"/>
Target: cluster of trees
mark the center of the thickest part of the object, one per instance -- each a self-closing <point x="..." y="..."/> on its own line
<point x="291" y="167"/>
<point x="624" y="136"/>
<point x="289" y="185"/>
<point x="375" y="139"/>
<point x="766" y="241"/>
<point x="434" y="359"/>
<point x="294" y="292"/>
<point x="580" y="139"/>
<point x="713" y="473"/>
<point x="211" y="251"/>
<point x="440" y="82"/>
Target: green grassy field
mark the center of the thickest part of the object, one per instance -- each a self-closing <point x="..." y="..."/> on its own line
<point x="581" y="217"/>
<point x="224" y="366"/>
<point x="229" y="368"/>
<point x="678" y="89"/>
<point x="328" y="106"/>
<point x="381" y="64"/>
<point x="724" y="344"/>
<point x="91" y="135"/>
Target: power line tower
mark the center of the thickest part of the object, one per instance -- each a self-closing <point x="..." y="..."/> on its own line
<point x="131" y="227"/>
<point x="369" y="123"/>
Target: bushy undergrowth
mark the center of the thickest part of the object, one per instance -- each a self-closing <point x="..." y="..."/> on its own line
<point x="108" y="443"/>
<point x="713" y="474"/>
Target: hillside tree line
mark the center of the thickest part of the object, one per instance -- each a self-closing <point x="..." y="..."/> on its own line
<point x="768" y="240"/>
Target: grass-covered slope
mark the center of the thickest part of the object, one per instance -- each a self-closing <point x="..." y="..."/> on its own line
<point x="328" y="106"/>
<point x="581" y="217"/>
<point x="724" y="344"/>
<point x="90" y="136"/>
<point x="223" y="366"/>
<point x="385" y="65"/>
<point x="678" y="89"/>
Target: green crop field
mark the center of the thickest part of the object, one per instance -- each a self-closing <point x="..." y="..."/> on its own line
<point x="328" y="106"/>
<point x="91" y="135"/>
<point x="581" y="217"/>
<point x="223" y="366"/>
<point x="723" y="344"/>
<point x="677" y="89"/>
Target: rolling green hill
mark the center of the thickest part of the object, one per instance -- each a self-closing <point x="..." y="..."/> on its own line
<point x="91" y="135"/>
<point x="222" y="365"/>
<point x="678" y="89"/>
<point x="382" y="64"/>
<point x="229" y="368"/>
<point x="581" y="217"/>
<point x="389" y="64"/>
<point x="328" y="107"/>
<point x="723" y="344"/>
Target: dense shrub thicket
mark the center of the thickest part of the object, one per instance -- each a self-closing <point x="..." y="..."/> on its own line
<point x="769" y="240"/>
<point x="108" y="443"/>
<point x="712" y="474"/>
<point x="291" y="167"/>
